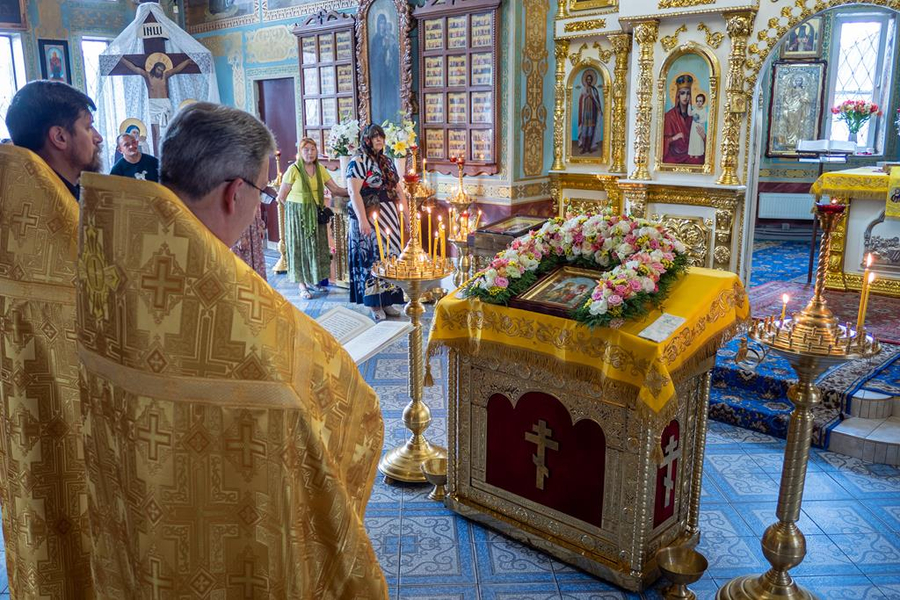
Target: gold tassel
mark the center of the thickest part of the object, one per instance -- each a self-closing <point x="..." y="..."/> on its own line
<point x="429" y="380"/>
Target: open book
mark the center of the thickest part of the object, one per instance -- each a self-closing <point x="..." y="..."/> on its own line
<point x="826" y="147"/>
<point x="360" y="336"/>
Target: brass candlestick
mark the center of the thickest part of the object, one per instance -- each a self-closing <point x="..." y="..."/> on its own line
<point x="461" y="213"/>
<point x="415" y="271"/>
<point x="281" y="264"/>
<point x="812" y="341"/>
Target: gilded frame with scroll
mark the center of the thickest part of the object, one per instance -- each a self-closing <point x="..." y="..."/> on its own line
<point x="688" y="98"/>
<point x="381" y="30"/>
<point x="795" y="107"/>
<point x="587" y="91"/>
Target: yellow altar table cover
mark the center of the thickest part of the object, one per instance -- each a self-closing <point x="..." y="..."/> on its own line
<point x="863" y="183"/>
<point x="231" y="442"/>
<point x="42" y="472"/>
<point x="624" y="365"/>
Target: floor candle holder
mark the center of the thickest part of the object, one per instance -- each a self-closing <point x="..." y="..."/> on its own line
<point x="811" y="341"/>
<point x="415" y="271"/>
<point x="281" y="264"/>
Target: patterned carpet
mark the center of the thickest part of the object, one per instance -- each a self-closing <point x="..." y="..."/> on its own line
<point x="851" y="515"/>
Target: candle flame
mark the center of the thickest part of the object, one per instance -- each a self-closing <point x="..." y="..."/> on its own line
<point x="785" y="298"/>
<point x="871" y="278"/>
<point x="868" y="260"/>
<point x="375" y="215"/>
<point x="429" y="210"/>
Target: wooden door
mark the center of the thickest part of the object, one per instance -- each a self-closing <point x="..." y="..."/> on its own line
<point x="278" y="111"/>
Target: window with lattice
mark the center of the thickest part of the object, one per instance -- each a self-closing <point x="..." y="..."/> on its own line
<point x="12" y="74"/>
<point x="862" y="55"/>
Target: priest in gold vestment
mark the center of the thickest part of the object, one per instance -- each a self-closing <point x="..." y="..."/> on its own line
<point x="231" y="442"/>
<point x="42" y="474"/>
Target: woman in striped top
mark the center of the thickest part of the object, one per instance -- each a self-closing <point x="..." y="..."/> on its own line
<point x="374" y="186"/>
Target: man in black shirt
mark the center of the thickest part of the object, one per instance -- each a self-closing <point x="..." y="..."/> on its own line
<point x="54" y="120"/>
<point x="134" y="163"/>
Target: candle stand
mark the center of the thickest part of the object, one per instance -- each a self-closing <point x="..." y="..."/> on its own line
<point x="415" y="271"/>
<point x="281" y="264"/>
<point x="812" y="341"/>
<point x="463" y="221"/>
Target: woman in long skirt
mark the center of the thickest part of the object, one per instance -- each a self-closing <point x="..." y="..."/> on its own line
<point x="374" y="186"/>
<point x="306" y="240"/>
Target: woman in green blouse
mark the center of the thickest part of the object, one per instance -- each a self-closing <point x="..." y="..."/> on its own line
<point x="302" y="193"/>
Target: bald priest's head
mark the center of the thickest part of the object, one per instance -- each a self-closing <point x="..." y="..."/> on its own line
<point x="216" y="159"/>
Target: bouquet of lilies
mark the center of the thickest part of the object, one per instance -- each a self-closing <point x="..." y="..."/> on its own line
<point x="343" y="137"/>
<point x="855" y="113"/>
<point x="398" y="138"/>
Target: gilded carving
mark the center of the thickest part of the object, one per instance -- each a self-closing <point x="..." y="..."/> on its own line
<point x="621" y="43"/>
<point x="589" y="25"/>
<point x="559" y="108"/>
<point x="694" y="233"/>
<point x="585" y="181"/>
<point x="271" y="44"/>
<point x="713" y="39"/>
<point x="604" y="53"/>
<point x="362" y="59"/>
<point x="534" y="66"/>
<point x="739" y="26"/>
<point x="635" y="196"/>
<point x="645" y="33"/>
<point x="683" y="3"/>
<point x="670" y="41"/>
<point x="575" y="57"/>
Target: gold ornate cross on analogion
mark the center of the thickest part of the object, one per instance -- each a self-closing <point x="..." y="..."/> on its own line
<point x="541" y="437"/>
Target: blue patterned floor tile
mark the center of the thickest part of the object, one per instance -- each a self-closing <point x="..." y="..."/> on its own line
<point x="824" y="557"/>
<point x="709" y="492"/>
<point x="867" y="481"/>
<point x="731" y="556"/>
<point x="887" y="510"/>
<point x="385" y="498"/>
<point x="745" y="487"/>
<point x="873" y="553"/>
<point x="393" y="592"/>
<point x="507" y="561"/>
<point x="415" y="497"/>
<point x="722" y="520"/>
<point x="842" y="516"/>
<point x="770" y="458"/>
<point x="436" y="549"/>
<point x="520" y="591"/>
<point x="822" y="486"/>
<point x="759" y="515"/>
<point x="596" y="590"/>
<point x="889" y="585"/>
<point x="732" y="463"/>
<point x="705" y="589"/>
<point x="438" y="592"/>
<point x="839" y="587"/>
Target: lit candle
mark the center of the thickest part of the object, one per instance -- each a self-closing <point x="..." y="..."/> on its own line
<point x="387" y="242"/>
<point x="784" y="302"/>
<point x="865" y="278"/>
<point x="477" y="220"/>
<point x="424" y="170"/>
<point x="430" y="236"/>
<point x="418" y="228"/>
<point x="440" y="228"/>
<point x="402" y="228"/>
<point x="436" y="246"/>
<point x="378" y="236"/>
<point x="864" y="303"/>
<point x="443" y="243"/>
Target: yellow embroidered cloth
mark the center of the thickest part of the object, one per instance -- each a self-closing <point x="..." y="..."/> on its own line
<point x="231" y="442"/>
<point x="713" y="303"/>
<point x="863" y="183"/>
<point x="892" y="204"/>
<point x="42" y="471"/>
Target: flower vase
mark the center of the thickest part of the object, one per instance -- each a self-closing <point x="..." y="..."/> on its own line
<point x="853" y="137"/>
<point x="342" y="176"/>
<point x="400" y="165"/>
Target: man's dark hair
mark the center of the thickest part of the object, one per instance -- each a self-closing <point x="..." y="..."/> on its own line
<point x="41" y="105"/>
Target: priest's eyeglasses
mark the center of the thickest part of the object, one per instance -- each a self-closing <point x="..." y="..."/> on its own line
<point x="265" y="196"/>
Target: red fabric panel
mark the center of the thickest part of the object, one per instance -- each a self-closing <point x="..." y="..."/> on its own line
<point x="575" y="470"/>
<point x="661" y="511"/>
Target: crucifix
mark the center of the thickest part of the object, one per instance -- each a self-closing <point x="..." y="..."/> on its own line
<point x="541" y="437"/>
<point x="156" y="66"/>
<point x="671" y="453"/>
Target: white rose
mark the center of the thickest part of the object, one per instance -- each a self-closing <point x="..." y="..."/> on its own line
<point x="623" y="227"/>
<point x="624" y="250"/>
<point x="598" y="307"/>
<point x="647" y="284"/>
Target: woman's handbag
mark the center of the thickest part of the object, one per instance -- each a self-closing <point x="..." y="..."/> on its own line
<point x="323" y="214"/>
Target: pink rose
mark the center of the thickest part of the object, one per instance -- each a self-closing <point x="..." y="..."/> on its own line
<point x="620" y="290"/>
<point x="501" y="282"/>
<point x="636" y="285"/>
<point x="614" y="300"/>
